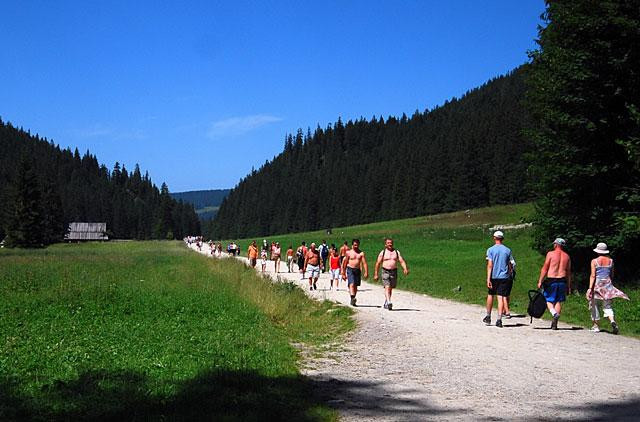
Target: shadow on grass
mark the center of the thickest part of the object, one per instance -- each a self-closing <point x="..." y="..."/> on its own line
<point x="229" y="396"/>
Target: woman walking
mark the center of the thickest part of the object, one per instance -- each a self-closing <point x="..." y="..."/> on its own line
<point x="601" y="288"/>
<point x="276" y="252"/>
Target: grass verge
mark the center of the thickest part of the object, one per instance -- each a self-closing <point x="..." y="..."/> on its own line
<point x="149" y="330"/>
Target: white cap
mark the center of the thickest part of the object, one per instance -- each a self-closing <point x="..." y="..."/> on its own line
<point x="498" y="234"/>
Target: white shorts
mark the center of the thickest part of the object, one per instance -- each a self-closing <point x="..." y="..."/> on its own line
<point x="335" y="274"/>
<point x="313" y="271"/>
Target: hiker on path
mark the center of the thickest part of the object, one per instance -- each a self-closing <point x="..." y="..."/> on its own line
<point x="263" y="259"/>
<point x="252" y="254"/>
<point x="601" y="288"/>
<point x="276" y="252"/>
<point x="343" y="252"/>
<point x="324" y="254"/>
<point x="353" y="265"/>
<point x="312" y="266"/>
<point x="290" y="258"/>
<point x="334" y="267"/>
<point x="389" y="258"/>
<point x="499" y="282"/>
<point x="302" y="251"/>
<point x="557" y="271"/>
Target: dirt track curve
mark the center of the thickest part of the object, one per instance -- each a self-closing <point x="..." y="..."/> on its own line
<point x="433" y="359"/>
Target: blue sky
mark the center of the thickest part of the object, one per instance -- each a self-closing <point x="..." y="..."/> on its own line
<point x="198" y="93"/>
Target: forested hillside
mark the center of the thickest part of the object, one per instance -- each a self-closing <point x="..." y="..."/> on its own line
<point x="61" y="186"/>
<point x="468" y="152"/>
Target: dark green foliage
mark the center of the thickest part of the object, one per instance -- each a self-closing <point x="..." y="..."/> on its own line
<point x="26" y="216"/>
<point x="64" y="186"/>
<point x="466" y="153"/>
<point x="584" y="89"/>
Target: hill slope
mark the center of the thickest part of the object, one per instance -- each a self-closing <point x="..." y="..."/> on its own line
<point x="467" y="153"/>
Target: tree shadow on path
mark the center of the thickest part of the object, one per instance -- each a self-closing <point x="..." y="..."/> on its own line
<point x="610" y="410"/>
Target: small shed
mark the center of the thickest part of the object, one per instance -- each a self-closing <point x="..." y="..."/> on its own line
<point x="87" y="231"/>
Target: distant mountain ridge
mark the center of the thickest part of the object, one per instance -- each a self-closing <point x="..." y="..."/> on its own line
<point x="206" y="202"/>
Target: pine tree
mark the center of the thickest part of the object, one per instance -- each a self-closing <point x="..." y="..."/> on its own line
<point x="584" y="91"/>
<point x="25" y="226"/>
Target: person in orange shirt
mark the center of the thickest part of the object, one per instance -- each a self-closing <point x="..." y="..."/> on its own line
<point x="252" y="254"/>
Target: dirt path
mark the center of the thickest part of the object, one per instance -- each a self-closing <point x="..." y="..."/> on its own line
<point x="433" y="359"/>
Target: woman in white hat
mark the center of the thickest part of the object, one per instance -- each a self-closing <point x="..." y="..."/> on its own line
<point x="601" y="288"/>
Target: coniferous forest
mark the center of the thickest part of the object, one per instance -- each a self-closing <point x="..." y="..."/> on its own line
<point x="43" y="188"/>
<point x="466" y="153"/>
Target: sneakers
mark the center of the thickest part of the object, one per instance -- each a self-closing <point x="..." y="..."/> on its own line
<point x="487" y="320"/>
<point x="499" y="323"/>
<point x="385" y="306"/>
<point x="595" y="329"/>
<point x="506" y="316"/>
<point x="390" y="306"/>
<point x="315" y="287"/>
<point x="614" y="327"/>
<point x="353" y="301"/>
<point x="554" y="322"/>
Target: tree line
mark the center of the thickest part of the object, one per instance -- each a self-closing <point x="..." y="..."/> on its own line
<point x="466" y="153"/>
<point x="43" y="188"/>
<point x="584" y="94"/>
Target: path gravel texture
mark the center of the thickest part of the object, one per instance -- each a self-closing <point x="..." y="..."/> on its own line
<point x="434" y="359"/>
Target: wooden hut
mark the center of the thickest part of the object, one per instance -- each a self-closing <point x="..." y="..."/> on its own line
<point x="87" y="231"/>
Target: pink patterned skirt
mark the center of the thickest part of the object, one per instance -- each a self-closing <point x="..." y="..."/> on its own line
<point x="605" y="290"/>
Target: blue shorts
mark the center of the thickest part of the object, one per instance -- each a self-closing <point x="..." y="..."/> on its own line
<point x="555" y="290"/>
<point x="353" y="276"/>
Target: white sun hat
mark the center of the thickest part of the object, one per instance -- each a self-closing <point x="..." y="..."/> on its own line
<point x="601" y="248"/>
<point x="498" y="235"/>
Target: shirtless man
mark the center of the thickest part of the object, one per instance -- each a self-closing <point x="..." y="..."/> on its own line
<point x="557" y="270"/>
<point x="389" y="258"/>
<point x="312" y="265"/>
<point x="352" y="264"/>
<point x="343" y="252"/>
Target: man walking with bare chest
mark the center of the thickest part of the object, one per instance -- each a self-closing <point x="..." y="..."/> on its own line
<point x="354" y="265"/>
<point x="312" y="266"/>
<point x="557" y="271"/>
<point x="388" y="259"/>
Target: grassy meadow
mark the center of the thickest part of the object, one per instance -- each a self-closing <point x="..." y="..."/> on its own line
<point x="150" y="330"/>
<point x="446" y="257"/>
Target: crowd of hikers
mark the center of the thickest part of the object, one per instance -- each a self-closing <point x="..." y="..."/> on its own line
<point x="349" y="263"/>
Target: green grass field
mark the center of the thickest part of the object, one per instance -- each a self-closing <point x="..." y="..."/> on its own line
<point x="150" y="330"/>
<point x="448" y="250"/>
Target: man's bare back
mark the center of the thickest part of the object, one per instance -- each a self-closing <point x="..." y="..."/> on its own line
<point x="559" y="264"/>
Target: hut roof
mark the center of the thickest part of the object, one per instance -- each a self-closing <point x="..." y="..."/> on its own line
<point x="87" y="231"/>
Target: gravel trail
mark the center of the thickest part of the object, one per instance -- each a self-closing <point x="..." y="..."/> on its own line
<point x="433" y="359"/>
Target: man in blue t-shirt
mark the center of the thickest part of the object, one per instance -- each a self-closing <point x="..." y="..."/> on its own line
<point x="499" y="277"/>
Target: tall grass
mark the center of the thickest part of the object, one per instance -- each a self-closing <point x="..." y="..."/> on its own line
<point x="446" y="256"/>
<point x="142" y="330"/>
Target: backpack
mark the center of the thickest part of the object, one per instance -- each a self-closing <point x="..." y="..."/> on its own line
<point x="324" y="251"/>
<point x="537" y="304"/>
